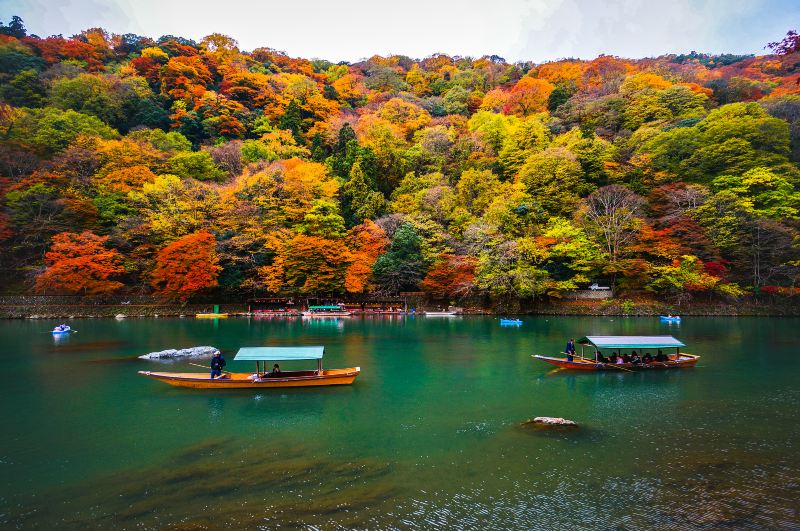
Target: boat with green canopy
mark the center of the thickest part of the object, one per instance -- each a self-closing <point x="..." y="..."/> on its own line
<point x="332" y="310"/>
<point x="625" y="353"/>
<point x="261" y="378"/>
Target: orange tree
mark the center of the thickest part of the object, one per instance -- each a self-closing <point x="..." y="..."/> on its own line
<point x="368" y="241"/>
<point x="80" y="264"/>
<point x="308" y="264"/>
<point x="186" y="266"/>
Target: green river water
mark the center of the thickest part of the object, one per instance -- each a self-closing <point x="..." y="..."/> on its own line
<point x="428" y="437"/>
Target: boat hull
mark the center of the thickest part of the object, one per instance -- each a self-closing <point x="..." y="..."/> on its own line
<point x="235" y="380"/>
<point x="327" y="314"/>
<point x="579" y="364"/>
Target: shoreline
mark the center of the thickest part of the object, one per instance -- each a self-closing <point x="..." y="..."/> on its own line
<point x="240" y="310"/>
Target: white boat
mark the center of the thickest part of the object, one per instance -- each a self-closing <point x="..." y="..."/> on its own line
<point x="439" y="314"/>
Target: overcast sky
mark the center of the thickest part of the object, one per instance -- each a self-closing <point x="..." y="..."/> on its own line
<point x="537" y="30"/>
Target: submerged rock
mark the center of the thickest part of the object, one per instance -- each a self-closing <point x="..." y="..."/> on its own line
<point x="180" y="353"/>
<point x="551" y="421"/>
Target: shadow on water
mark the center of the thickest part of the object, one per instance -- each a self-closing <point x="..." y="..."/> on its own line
<point x="272" y="485"/>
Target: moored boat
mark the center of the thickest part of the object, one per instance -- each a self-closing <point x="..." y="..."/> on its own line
<point x="259" y="379"/>
<point x="618" y="346"/>
<point x="337" y="310"/>
<point x="670" y="318"/>
<point x="510" y="322"/>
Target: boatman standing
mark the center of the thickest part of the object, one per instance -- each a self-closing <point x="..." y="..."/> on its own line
<point x="570" y="349"/>
<point x="217" y="364"/>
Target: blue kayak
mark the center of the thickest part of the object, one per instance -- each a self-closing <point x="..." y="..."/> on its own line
<point x="511" y="322"/>
<point x="670" y="319"/>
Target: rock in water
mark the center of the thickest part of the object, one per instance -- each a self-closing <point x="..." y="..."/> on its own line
<point x="552" y="421"/>
<point x="192" y="352"/>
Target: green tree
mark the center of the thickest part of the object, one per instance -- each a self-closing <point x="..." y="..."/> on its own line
<point x="401" y="267"/>
<point x="26" y="89"/>
<point x="50" y="130"/>
<point x="456" y="101"/>
<point x="554" y="179"/>
<point x="360" y="201"/>
<point x="88" y="94"/>
<point x="198" y="165"/>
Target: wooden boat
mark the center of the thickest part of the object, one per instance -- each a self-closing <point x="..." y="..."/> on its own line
<point x="259" y="379"/>
<point x="211" y="315"/>
<point x="326" y="311"/>
<point x="617" y="344"/>
<point x="510" y="322"/>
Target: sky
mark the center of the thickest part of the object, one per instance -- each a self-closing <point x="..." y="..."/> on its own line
<point x="518" y="30"/>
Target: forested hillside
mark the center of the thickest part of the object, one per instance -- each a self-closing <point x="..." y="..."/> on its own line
<point x="138" y="165"/>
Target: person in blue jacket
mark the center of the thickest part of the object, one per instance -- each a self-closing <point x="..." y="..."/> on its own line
<point x="569" y="350"/>
<point x="217" y="364"/>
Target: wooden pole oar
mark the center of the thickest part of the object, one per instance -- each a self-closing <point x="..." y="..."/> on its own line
<point x="206" y="367"/>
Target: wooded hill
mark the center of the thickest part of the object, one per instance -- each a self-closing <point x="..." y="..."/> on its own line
<point x="178" y="167"/>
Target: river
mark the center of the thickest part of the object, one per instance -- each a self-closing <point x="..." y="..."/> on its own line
<point x="429" y="436"/>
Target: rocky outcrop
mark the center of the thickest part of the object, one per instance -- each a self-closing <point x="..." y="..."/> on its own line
<point x="193" y="352"/>
<point x="552" y="421"/>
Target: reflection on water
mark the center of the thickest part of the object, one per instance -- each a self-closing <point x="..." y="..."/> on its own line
<point x="429" y="437"/>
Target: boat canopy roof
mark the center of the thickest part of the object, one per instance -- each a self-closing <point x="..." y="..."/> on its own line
<point x="279" y="353"/>
<point x="324" y="307"/>
<point x="601" y="342"/>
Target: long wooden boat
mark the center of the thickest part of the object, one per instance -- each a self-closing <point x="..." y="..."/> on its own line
<point x="618" y="344"/>
<point x="327" y="311"/>
<point x="263" y="379"/>
<point x="237" y="380"/>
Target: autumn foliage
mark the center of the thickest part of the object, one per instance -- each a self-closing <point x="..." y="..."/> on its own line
<point x="212" y="169"/>
<point x="80" y="264"/>
<point x="186" y="266"/>
<point x="451" y="277"/>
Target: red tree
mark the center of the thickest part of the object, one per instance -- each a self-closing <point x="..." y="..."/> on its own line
<point x="80" y="263"/>
<point x="451" y="276"/>
<point x="186" y="266"/>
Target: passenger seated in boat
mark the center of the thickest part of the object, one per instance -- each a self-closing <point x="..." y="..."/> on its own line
<point x="276" y="370"/>
<point x="647" y="358"/>
<point x="661" y="356"/>
<point x="635" y="359"/>
<point x="601" y="358"/>
<point x="626" y="358"/>
<point x="613" y="358"/>
<point x="620" y="360"/>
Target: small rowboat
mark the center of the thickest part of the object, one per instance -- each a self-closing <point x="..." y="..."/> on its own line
<point x="259" y="379"/>
<point x="670" y="318"/>
<point x="510" y="322"/>
<point x="676" y="360"/>
<point x="211" y="316"/>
